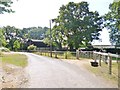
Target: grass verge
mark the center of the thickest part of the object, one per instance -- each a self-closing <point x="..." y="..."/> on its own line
<point x="60" y="55"/>
<point x="103" y="71"/>
<point x="15" y="59"/>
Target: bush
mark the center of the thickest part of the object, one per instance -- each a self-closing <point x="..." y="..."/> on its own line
<point x="31" y="47"/>
<point x="3" y="49"/>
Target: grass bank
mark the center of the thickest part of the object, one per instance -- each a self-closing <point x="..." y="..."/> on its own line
<point x="15" y="59"/>
<point x="104" y="72"/>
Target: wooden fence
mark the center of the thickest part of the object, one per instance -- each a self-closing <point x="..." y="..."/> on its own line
<point x="96" y="56"/>
<point x="99" y="57"/>
<point x="59" y="54"/>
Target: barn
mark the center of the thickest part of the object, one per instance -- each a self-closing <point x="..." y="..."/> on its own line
<point x="37" y="43"/>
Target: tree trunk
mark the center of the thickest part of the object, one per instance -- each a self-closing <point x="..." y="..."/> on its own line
<point x="60" y="46"/>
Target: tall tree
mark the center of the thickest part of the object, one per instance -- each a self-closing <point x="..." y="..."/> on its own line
<point x="112" y="19"/>
<point x="77" y="25"/>
<point x="16" y="45"/>
<point x="2" y="38"/>
<point x="5" y="6"/>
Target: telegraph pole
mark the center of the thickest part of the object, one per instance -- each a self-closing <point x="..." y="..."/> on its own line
<point x="50" y="40"/>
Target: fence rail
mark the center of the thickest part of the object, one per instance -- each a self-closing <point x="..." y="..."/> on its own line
<point x="96" y="56"/>
<point x="107" y="54"/>
<point x="99" y="56"/>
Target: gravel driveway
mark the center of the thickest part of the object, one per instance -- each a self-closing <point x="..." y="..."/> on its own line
<point x="45" y="72"/>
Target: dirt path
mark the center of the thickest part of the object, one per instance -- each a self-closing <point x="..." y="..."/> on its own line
<point x="45" y="72"/>
<point x="52" y="73"/>
<point x="12" y="76"/>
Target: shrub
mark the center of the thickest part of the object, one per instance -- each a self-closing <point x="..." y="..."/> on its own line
<point x="31" y="47"/>
<point x="3" y="49"/>
<point x="16" y="45"/>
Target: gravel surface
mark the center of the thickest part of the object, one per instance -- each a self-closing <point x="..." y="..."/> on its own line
<point x="12" y="76"/>
<point x="45" y="72"/>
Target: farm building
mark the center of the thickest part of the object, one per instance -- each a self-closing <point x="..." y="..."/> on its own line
<point x="38" y="43"/>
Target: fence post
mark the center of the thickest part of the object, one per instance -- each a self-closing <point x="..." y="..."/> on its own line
<point x="77" y="54"/>
<point x="55" y="54"/>
<point x="41" y="52"/>
<point x="89" y="55"/>
<point x="110" y="64"/>
<point x="100" y="60"/>
<point x="106" y="57"/>
<point x="65" y="55"/>
<point x="117" y="58"/>
<point x="80" y="54"/>
<point x="45" y="53"/>
<point x="95" y="56"/>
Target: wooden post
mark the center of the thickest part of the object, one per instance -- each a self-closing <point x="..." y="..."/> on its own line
<point x="110" y="64"/>
<point x="77" y="54"/>
<point x="55" y="54"/>
<point x="65" y="55"/>
<point x="83" y="54"/>
<point x="106" y="58"/>
<point x="99" y="59"/>
<point x="40" y="52"/>
<point x="45" y="53"/>
<point x="95" y="57"/>
<point x="80" y="54"/>
<point x="117" y="58"/>
<point x="89" y="55"/>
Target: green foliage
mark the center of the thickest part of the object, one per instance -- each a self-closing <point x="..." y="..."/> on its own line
<point x="3" y="49"/>
<point x="34" y="32"/>
<point x="5" y="6"/>
<point x="11" y="34"/>
<point x="76" y="25"/>
<point x="16" y="45"/>
<point x="31" y="47"/>
<point x="2" y="39"/>
<point x="112" y="19"/>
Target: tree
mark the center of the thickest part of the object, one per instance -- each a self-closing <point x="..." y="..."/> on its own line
<point x="112" y="19"/>
<point x="76" y="25"/>
<point x="11" y="34"/>
<point x="5" y="6"/>
<point x="2" y="39"/>
<point x="16" y="45"/>
<point x="34" y="32"/>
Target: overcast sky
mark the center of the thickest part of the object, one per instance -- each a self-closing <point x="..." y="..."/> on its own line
<point x="30" y="13"/>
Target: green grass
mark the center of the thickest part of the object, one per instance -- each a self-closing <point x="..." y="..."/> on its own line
<point x="15" y="59"/>
<point x="103" y="71"/>
<point x="59" y="55"/>
<point x="1" y="54"/>
<point x="113" y="58"/>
